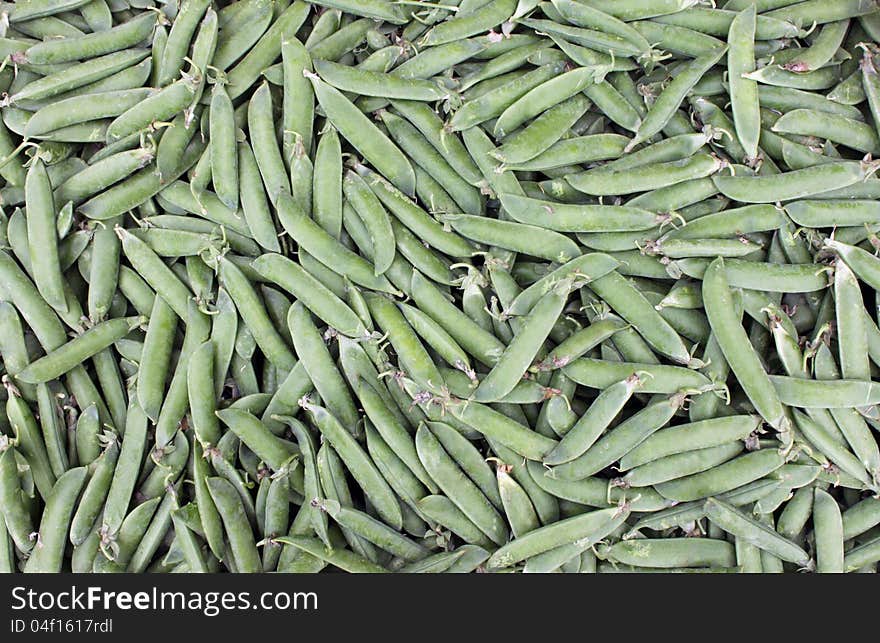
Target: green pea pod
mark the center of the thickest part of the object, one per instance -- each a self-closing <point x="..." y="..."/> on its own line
<point x="48" y="553"/>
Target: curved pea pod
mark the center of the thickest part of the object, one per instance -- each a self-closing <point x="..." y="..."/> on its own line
<point x="261" y="130"/>
<point x="583" y="433"/>
<point x="30" y="444"/>
<point x="702" y="434"/>
<point x="434" y="564"/>
<point x="160" y="106"/>
<point x="860" y="517"/>
<point x="419" y="222"/>
<point x="154" y="271"/>
<point x="240" y="27"/>
<point x="833" y="212"/>
<point x="864" y="264"/>
<point x="374" y="83"/>
<point x="42" y="236"/>
<point x="585" y="16"/>
<point x="308" y="290"/>
<point x="725" y="477"/>
<point x="687" y="248"/>
<point x="138" y="188"/>
<point x="555" y="105"/>
<point x="620" y="440"/>
<point x="564" y="217"/>
<point x="79" y="75"/>
<point x="127" y="471"/>
<point x="828" y="532"/>
<point x="490" y="15"/>
<point x="579" y="343"/>
<point x="670" y="99"/>
<point x="756" y="275"/>
<point x="469" y="458"/>
<point x="583" y="270"/>
<point x="158" y="344"/>
<point x="48" y="553"/>
<point x="327" y="196"/>
<point x="236" y="525"/>
<point x="458" y="487"/>
<point x="365" y="137"/>
<point x="595" y="492"/>
<point x="88" y="428"/>
<point x="545" y="504"/>
<point x="49" y="400"/>
<point x="526" y="391"/>
<point x="13" y="349"/>
<point x="735" y="522"/>
<point x="851" y="325"/>
<point x="744" y="96"/>
<point x="518" y="237"/>
<point x="201" y="392"/>
<point x="437" y="59"/>
<point x="735" y="221"/>
<point x="491" y="104"/>
<point x="80" y="109"/>
<point x="671" y="553"/>
<point x="123" y="36"/>
<point x="517" y="506"/>
<point x="392" y="432"/>
<point x="862" y="555"/>
<point x="204" y="45"/>
<point x="414" y="359"/>
<point x="320" y="367"/>
<point x="320" y="244"/>
<point x="630" y="304"/>
<point x="869" y="85"/>
<point x="797" y="184"/>
<point x="442" y="178"/>
<point x="731" y="338"/>
<point x="436" y="337"/>
<point x="267" y="47"/>
<point x="343" y="559"/>
<point x="837" y="129"/>
<point x="819" y="13"/>
<point x="444" y="512"/>
<point x="591" y="526"/>
<point x="358" y="463"/>
<point x="602" y="182"/>
<point x="496" y="426"/>
<point x="523" y="348"/>
<point x="255" y="316"/>
<point x="179" y="38"/>
<point x="825" y="394"/>
<point x="717" y="21"/>
<point x="681" y="464"/>
<point x="254" y="203"/>
<point x="94" y="495"/>
<point x="374" y="531"/>
<point x="76" y="351"/>
<point x="224" y="152"/>
<point x="575" y="150"/>
<point x="13" y="510"/>
<point x="656" y="378"/>
<point x="274" y="451"/>
<point x="298" y="104"/>
<point x="374" y="217"/>
<point x="118" y="552"/>
<point x="431" y="127"/>
<point x="311" y="483"/>
<point x="103" y="273"/>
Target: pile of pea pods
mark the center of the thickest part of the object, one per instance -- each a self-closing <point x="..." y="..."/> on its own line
<point x="450" y="286"/>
